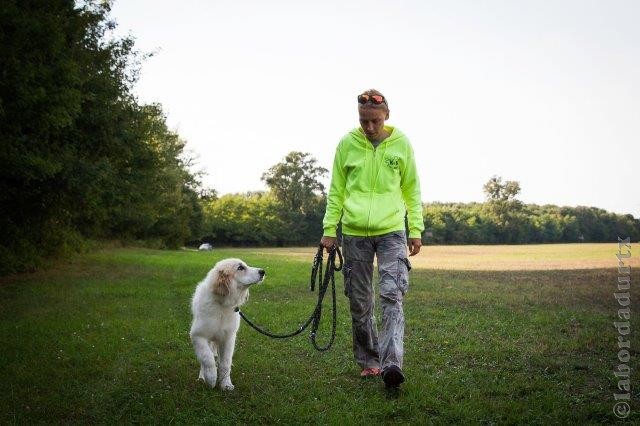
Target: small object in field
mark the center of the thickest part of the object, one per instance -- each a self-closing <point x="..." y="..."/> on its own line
<point x="205" y="247"/>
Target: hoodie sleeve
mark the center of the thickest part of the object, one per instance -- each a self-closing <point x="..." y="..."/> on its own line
<point x="335" y="198"/>
<point x="410" y="185"/>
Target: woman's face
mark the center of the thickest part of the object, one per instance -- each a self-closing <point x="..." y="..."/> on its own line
<point x="372" y="122"/>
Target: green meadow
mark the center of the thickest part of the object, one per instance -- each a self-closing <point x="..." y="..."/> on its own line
<point x="494" y="335"/>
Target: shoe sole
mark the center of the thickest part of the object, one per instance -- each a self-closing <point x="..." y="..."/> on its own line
<point x="393" y="378"/>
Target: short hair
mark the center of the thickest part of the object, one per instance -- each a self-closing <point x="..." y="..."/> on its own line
<point x="371" y="92"/>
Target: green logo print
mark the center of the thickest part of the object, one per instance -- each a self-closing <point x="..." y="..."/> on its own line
<point x="392" y="162"/>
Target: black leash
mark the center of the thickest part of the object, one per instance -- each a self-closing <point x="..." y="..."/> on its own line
<point x="314" y="319"/>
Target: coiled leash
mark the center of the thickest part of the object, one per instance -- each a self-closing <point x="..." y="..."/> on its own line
<point x="314" y="319"/>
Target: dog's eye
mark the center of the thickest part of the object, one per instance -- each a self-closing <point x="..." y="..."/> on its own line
<point x="241" y="268"/>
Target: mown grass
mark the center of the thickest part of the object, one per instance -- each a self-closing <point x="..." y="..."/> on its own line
<point x="104" y="339"/>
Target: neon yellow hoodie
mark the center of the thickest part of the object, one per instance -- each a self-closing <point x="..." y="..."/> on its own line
<point x="372" y="188"/>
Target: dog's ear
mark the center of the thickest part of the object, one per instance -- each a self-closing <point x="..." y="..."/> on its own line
<point x="221" y="283"/>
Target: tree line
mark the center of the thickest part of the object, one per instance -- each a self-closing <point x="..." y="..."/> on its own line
<point x="264" y="218"/>
<point x="290" y="213"/>
<point x="503" y="219"/>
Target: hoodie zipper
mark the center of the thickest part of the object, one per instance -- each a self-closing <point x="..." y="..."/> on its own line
<point x="373" y="170"/>
<point x="374" y="176"/>
<point x="375" y="173"/>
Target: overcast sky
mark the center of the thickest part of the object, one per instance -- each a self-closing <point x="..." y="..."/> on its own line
<point x="543" y="92"/>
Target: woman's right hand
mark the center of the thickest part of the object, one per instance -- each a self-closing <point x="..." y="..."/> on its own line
<point x="328" y="242"/>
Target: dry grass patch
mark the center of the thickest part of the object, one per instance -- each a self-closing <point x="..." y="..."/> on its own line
<point x="496" y="258"/>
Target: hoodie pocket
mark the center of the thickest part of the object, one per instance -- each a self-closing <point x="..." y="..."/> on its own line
<point x="355" y="211"/>
<point x="387" y="212"/>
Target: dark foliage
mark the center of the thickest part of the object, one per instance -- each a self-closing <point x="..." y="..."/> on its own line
<point x="80" y="157"/>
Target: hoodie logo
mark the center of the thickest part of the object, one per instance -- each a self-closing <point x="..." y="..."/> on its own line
<point x="393" y="162"/>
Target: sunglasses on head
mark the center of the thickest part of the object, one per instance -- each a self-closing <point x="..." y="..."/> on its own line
<point x="374" y="99"/>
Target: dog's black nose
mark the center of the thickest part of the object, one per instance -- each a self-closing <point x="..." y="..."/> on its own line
<point x="261" y="272"/>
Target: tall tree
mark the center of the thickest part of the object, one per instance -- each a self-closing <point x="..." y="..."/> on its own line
<point x="502" y="203"/>
<point x="295" y="181"/>
<point x="496" y="190"/>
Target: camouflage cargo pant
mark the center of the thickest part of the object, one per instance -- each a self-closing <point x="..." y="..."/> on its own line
<point x="393" y="268"/>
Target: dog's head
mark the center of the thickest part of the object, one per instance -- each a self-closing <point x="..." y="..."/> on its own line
<point x="230" y="275"/>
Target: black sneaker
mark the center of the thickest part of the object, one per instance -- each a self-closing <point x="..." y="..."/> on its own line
<point x="392" y="376"/>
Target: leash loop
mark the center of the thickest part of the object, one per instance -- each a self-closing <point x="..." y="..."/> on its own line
<point x="314" y="319"/>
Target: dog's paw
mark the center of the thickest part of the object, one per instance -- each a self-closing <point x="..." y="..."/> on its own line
<point x="227" y="385"/>
<point x="210" y="383"/>
<point x="209" y="377"/>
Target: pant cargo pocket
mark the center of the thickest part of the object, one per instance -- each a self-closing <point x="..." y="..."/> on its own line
<point x="346" y="274"/>
<point x="402" y="277"/>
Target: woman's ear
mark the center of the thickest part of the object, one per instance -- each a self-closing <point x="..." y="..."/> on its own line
<point x="221" y="283"/>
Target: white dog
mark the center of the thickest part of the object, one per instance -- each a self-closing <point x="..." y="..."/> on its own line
<point x="215" y="321"/>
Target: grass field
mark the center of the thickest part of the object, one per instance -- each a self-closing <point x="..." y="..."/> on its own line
<point x="494" y="335"/>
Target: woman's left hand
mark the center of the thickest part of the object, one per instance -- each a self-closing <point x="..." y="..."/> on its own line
<point x="414" y="246"/>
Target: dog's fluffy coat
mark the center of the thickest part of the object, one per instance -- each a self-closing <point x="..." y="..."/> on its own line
<point x="215" y="322"/>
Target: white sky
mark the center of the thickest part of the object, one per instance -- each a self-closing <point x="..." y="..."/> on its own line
<point x="543" y="92"/>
